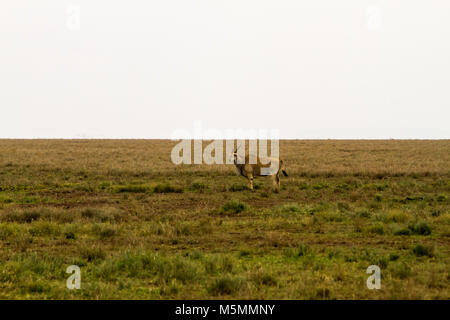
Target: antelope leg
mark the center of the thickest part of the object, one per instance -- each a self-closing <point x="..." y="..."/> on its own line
<point x="250" y="180"/>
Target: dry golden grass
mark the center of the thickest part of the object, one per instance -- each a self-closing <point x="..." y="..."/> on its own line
<point x="305" y="157"/>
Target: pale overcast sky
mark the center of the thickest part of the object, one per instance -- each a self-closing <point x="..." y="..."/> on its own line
<point x="143" y="69"/>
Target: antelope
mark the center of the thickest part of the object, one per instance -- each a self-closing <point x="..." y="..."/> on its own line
<point x="269" y="167"/>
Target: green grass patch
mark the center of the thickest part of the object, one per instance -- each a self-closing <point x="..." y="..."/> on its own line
<point x="226" y="285"/>
<point x="238" y="187"/>
<point x="234" y="206"/>
<point x="421" y="250"/>
<point x="166" y="188"/>
<point x="131" y="188"/>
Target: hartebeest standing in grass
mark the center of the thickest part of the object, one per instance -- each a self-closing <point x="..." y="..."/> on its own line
<point x="267" y="166"/>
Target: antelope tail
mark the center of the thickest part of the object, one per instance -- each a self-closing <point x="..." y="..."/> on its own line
<point x="283" y="169"/>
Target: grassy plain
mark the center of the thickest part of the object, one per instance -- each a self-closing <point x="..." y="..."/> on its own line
<point x="140" y="227"/>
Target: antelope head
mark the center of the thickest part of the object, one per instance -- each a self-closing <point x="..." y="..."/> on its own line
<point x="235" y="156"/>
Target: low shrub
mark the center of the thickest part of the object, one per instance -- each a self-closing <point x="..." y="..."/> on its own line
<point x="421" y="250"/>
<point x="377" y="228"/>
<point x="291" y="208"/>
<point x="133" y="188"/>
<point x="225" y="285"/>
<point x="234" y="206"/>
<point x="420" y="228"/>
<point x="166" y="188"/>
